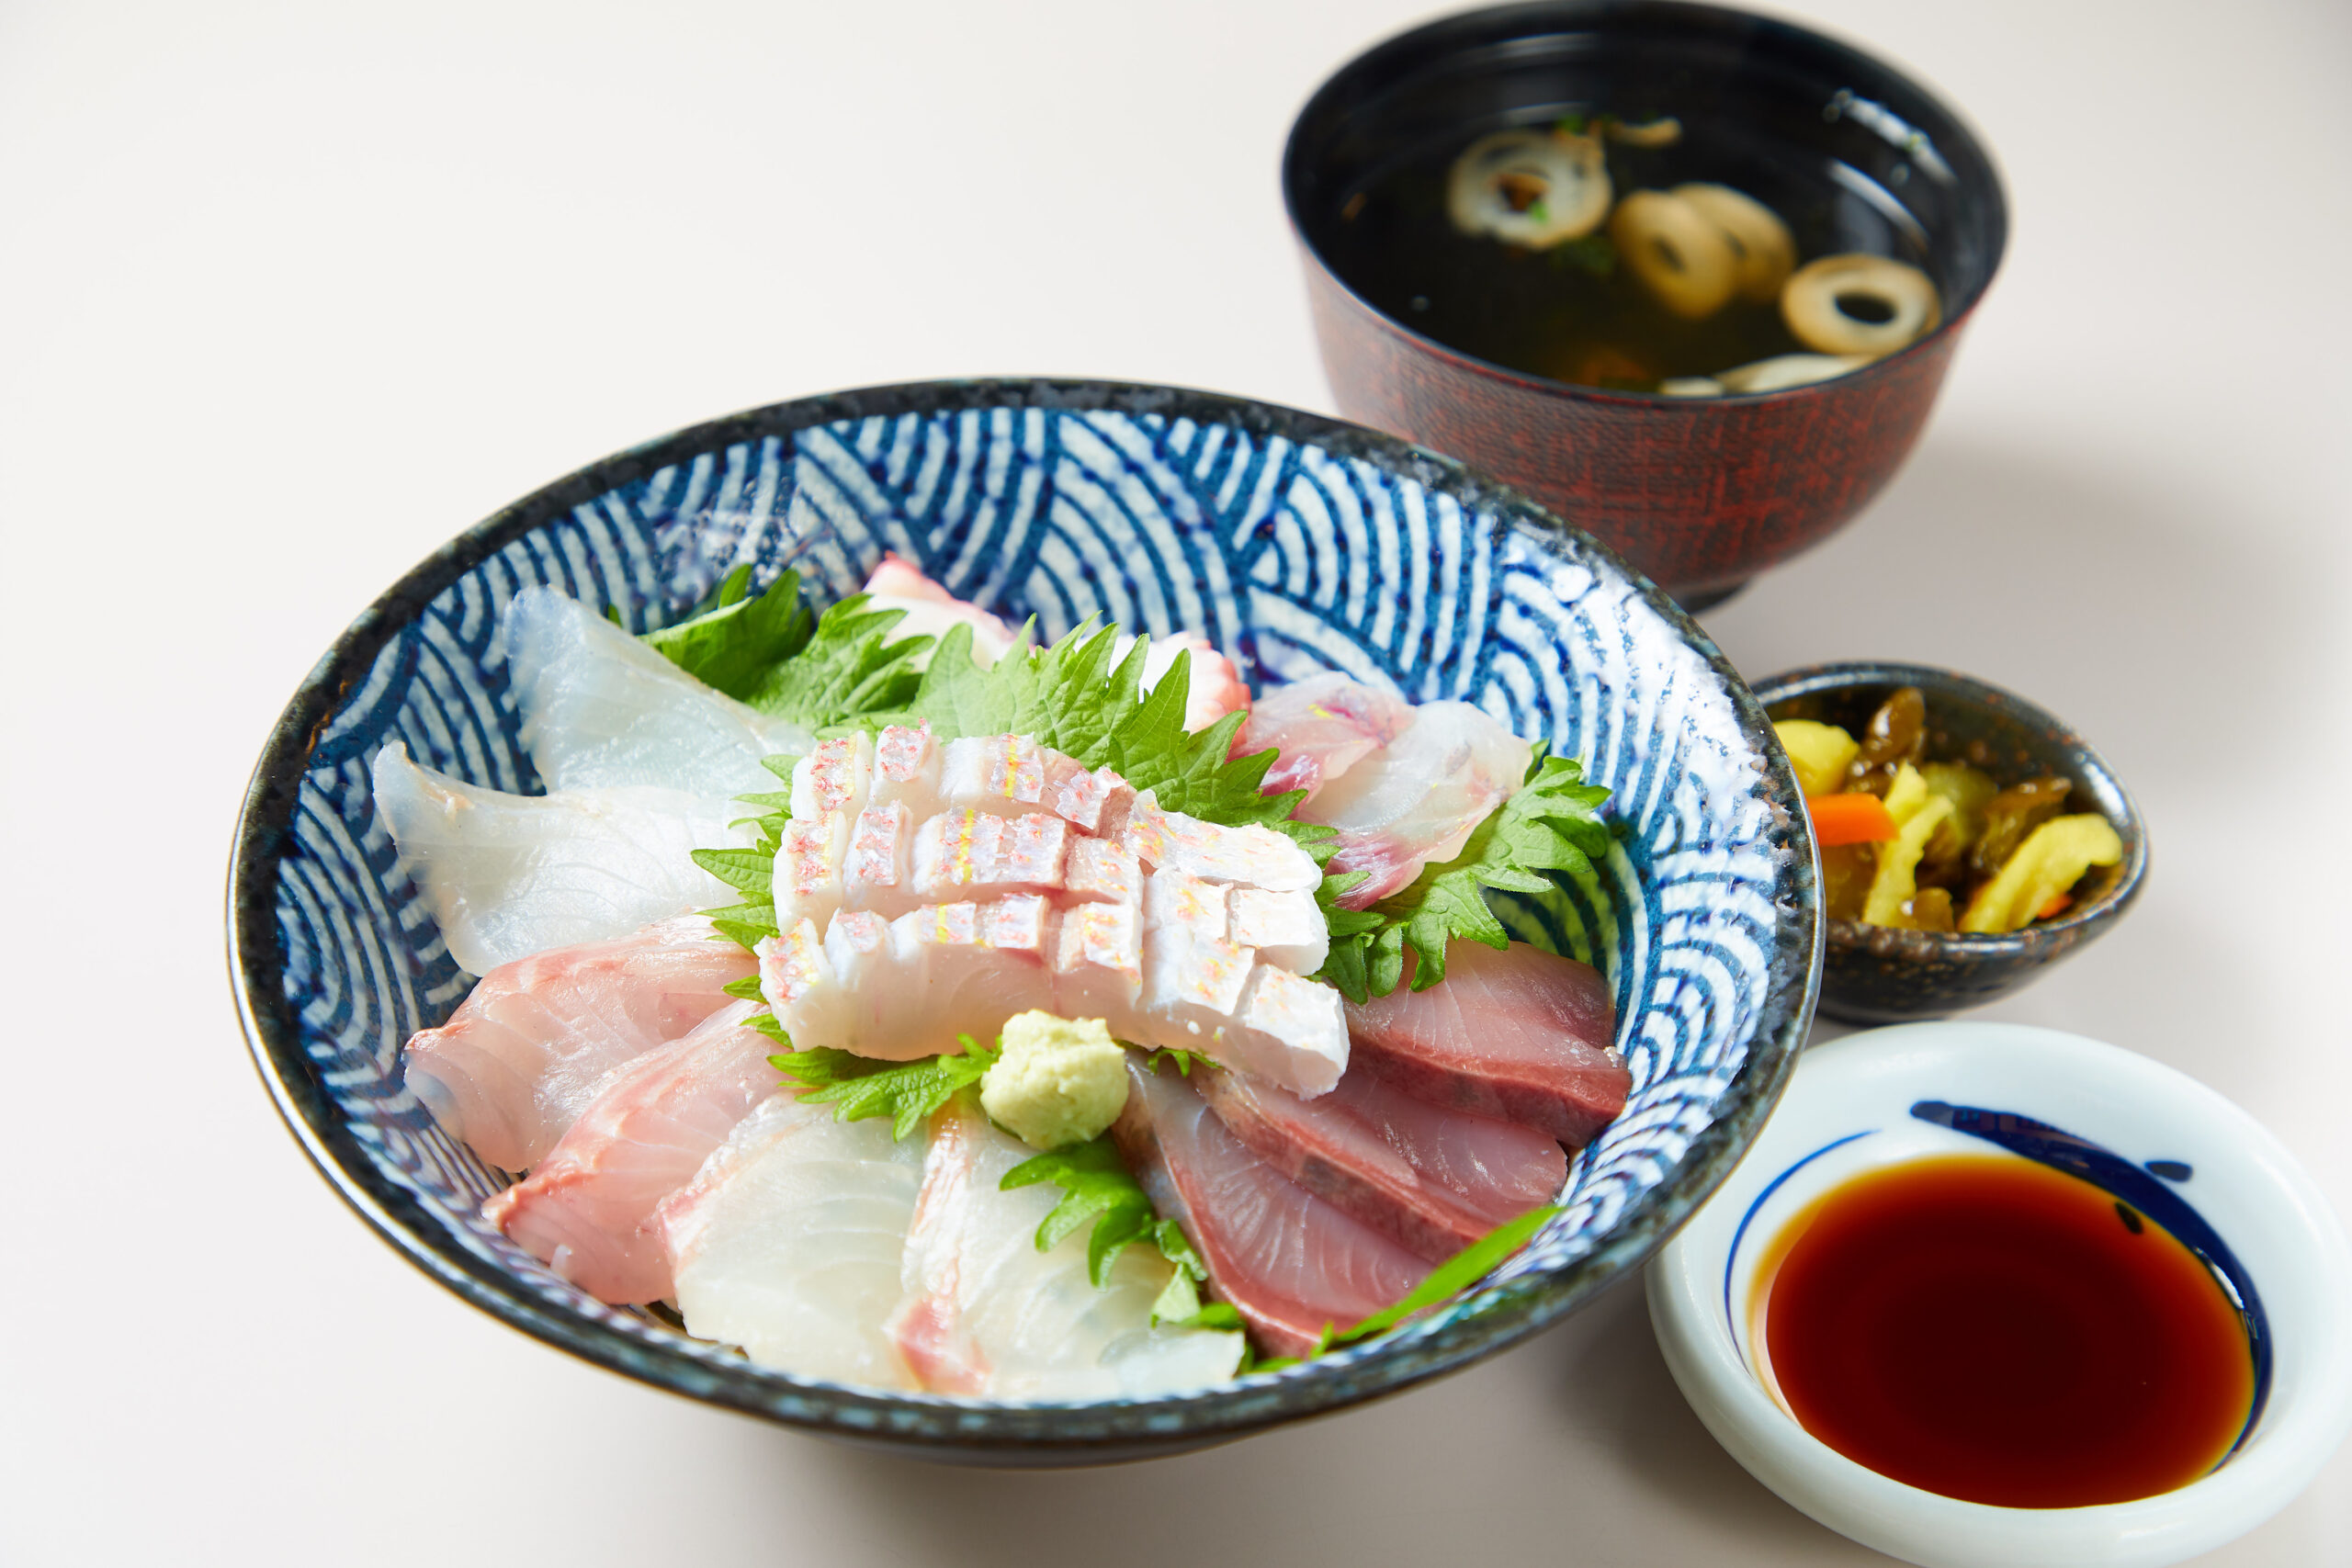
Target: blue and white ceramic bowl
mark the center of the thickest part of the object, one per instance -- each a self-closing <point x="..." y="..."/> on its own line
<point x="1294" y="542"/>
<point x="2160" y="1141"/>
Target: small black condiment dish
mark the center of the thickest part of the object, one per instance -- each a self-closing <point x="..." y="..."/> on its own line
<point x="1876" y="975"/>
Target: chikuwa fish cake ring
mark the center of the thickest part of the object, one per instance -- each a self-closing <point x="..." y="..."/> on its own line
<point x="1679" y="254"/>
<point x="1759" y="242"/>
<point x="1858" y="303"/>
<point x="1529" y="187"/>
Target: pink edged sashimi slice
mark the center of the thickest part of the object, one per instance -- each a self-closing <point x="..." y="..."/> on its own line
<point x="1430" y="1178"/>
<point x="1419" y="797"/>
<point x="1320" y="726"/>
<point x="587" y="1209"/>
<point x="529" y="1050"/>
<point x="1288" y="1261"/>
<point x="1517" y="1033"/>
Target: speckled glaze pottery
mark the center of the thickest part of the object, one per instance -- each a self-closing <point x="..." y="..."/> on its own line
<point x="1294" y="542"/>
<point x="2158" y="1143"/>
<point x="1699" y="493"/>
<point x="1872" y="975"/>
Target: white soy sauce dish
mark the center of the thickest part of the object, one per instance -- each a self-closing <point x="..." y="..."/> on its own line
<point x="2155" y="1140"/>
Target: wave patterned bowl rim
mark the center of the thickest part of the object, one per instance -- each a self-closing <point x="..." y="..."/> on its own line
<point x="1497" y="1316"/>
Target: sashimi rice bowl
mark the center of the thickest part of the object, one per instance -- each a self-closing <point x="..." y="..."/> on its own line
<point x="1034" y="921"/>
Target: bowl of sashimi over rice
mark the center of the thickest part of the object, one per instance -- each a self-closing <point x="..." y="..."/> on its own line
<point x="1038" y="922"/>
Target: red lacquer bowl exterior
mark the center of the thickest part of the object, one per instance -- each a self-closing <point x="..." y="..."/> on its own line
<point x="1700" y="494"/>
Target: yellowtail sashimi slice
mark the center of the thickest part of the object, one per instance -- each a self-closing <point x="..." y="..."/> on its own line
<point x="987" y="1315"/>
<point x="508" y="875"/>
<point x="601" y="710"/>
<point x="788" y="1242"/>
<point x="526" y="1053"/>
<point x="1417" y="798"/>
<point x="587" y="1209"/>
<point x="1288" y="1261"/>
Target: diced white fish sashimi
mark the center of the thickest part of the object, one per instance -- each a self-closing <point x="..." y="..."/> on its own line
<point x="985" y="1313"/>
<point x="1191" y="986"/>
<point x="587" y="1209"/>
<point x="1174" y="901"/>
<point x="929" y="611"/>
<point x="601" y="710"/>
<point x="1320" y="726"/>
<point x="1287" y="928"/>
<point x="908" y="989"/>
<point x="1418" y="798"/>
<point x="833" y="777"/>
<point x="906" y="770"/>
<point x="1290" y="1032"/>
<point x="1214" y="686"/>
<point x="1258" y="856"/>
<point x="806" y="882"/>
<point x="524" y="1053"/>
<point x="790" y="1239"/>
<point x="1102" y="872"/>
<point x="877" y="869"/>
<point x="508" y="875"/>
<point x="971" y="853"/>
<point x="1098" y="964"/>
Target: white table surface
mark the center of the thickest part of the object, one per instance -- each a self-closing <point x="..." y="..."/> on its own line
<point x="275" y="277"/>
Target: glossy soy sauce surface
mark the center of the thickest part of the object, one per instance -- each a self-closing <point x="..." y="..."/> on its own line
<point x="1997" y="1331"/>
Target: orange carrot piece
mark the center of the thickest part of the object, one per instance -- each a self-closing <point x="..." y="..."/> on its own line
<point x="1849" y="819"/>
<point x="2057" y="906"/>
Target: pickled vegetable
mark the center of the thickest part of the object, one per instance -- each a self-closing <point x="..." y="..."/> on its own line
<point x="1939" y="845"/>
<point x="1918" y="814"/>
<point x="2052" y="859"/>
<point x="1819" y="752"/>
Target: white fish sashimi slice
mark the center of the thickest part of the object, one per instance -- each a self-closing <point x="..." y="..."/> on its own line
<point x="587" y="1209"/>
<point x="526" y="1053"/>
<point x="1417" y="798"/>
<point x="985" y="1313"/>
<point x="508" y="875"/>
<point x="788" y="1242"/>
<point x="1320" y="726"/>
<point x="1215" y="686"/>
<point x="601" y="710"/>
<point x="931" y="611"/>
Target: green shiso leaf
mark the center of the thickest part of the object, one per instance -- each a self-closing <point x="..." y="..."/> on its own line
<point x="1099" y="1190"/>
<point x="1550" y="824"/>
<point x="847" y="670"/>
<point x="906" y="1092"/>
<point x="734" y="638"/>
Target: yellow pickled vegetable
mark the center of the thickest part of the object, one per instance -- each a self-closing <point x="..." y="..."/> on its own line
<point x="1917" y="813"/>
<point x="1819" y="751"/>
<point x="1970" y="793"/>
<point x="2052" y="859"/>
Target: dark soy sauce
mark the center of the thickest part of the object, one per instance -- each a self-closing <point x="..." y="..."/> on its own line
<point x="2001" y="1332"/>
<point x="1573" y="312"/>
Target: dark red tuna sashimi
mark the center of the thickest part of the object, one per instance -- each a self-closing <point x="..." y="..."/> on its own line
<point x="1428" y="1177"/>
<point x="1289" y="1262"/>
<point x="1515" y="1034"/>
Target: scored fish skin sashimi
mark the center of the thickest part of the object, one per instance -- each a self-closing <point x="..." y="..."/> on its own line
<point x="1320" y="727"/>
<point x="507" y="875"/>
<point x="1288" y="1261"/>
<point x="790" y="1239"/>
<point x="987" y="1315"/>
<point x="924" y="892"/>
<point x="1417" y="798"/>
<point x="1433" y="1180"/>
<point x="587" y="1209"/>
<point x="528" y="1049"/>
<point x="1517" y="1033"/>
<point x="601" y="710"/>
